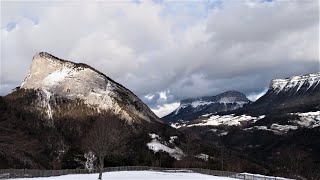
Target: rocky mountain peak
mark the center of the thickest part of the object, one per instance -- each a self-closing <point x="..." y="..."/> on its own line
<point x="192" y="108"/>
<point x="230" y="96"/>
<point x="294" y="94"/>
<point x="67" y="79"/>
<point x="303" y="82"/>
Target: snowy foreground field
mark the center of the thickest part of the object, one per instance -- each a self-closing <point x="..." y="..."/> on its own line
<point x="148" y="175"/>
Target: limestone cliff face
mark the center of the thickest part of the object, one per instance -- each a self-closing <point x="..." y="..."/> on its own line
<point x="54" y="76"/>
<point x="301" y="84"/>
<point x="290" y="95"/>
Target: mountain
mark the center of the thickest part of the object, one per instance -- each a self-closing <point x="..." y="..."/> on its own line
<point x="192" y="108"/>
<point x="44" y="122"/>
<point x="280" y="131"/>
<point x="293" y="94"/>
<point x="296" y="95"/>
<point x="56" y="77"/>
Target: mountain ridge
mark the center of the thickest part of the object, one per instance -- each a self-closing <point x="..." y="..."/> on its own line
<point x="194" y="107"/>
<point x="44" y="122"/>
<point x="55" y="76"/>
<point x="292" y="94"/>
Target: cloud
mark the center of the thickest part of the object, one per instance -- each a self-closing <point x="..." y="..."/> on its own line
<point x="162" y="110"/>
<point x="166" y="49"/>
<point x="256" y="95"/>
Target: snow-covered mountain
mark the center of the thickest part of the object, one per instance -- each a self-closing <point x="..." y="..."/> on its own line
<point x="296" y="84"/>
<point x="53" y="77"/>
<point x="289" y="104"/>
<point x="194" y="107"/>
<point x="293" y="94"/>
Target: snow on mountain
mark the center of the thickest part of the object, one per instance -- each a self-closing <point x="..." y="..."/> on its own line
<point x="203" y="156"/>
<point x="293" y="94"/>
<point x="178" y="124"/>
<point x="202" y="102"/>
<point x="296" y="82"/>
<point x="196" y="104"/>
<point x="56" y="77"/>
<point x="229" y="120"/>
<point x="157" y="144"/>
<point x="275" y="128"/>
<point x="309" y="119"/>
<point x="194" y="107"/>
<point x="306" y="120"/>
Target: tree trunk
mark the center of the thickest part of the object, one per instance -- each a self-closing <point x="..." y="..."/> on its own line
<point x="101" y="167"/>
<point x="222" y="159"/>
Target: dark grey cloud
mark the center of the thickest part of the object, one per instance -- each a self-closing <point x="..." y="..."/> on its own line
<point x="162" y="55"/>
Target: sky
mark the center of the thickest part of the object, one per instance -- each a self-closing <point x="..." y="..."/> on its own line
<point x="165" y="51"/>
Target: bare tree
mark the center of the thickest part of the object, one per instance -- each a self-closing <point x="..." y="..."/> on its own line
<point x="105" y="137"/>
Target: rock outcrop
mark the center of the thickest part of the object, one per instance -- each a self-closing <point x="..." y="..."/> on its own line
<point x="54" y="76"/>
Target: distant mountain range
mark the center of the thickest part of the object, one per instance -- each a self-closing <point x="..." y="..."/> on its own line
<point x="294" y="94"/>
<point x="194" y="107"/>
<point x="280" y="127"/>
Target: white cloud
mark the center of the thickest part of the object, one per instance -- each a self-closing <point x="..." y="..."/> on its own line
<point x="183" y="49"/>
<point x="256" y="96"/>
<point x="149" y="96"/>
<point x="163" y="95"/>
<point x="165" y="109"/>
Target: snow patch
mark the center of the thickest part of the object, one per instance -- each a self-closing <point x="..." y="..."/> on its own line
<point x="275" y="128"/>
<point x="58" y="76"/>
<point x="156" y="146"/>
<point x="196" y="104"/>
<point x="172" y="138"/>
<point x="226" y="100"/>
<point x="309" y="119"/>
<point x="229" y="120"/>
<point x="283" y="128"/>
<point x="203" y="156"/>
<point x="182" y="106"/>
<point x="154" y="136"/>
<point x="259" y="176"/>
<point x="257" y="127"/>
<point x="45" y="103"/>
<point x="206" y="115"/>
<point x="179" y="124"/>
<point x="223" y="133"/>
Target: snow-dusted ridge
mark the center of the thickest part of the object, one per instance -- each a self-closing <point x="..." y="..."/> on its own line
<point x="70" y="80"/>
<point x="229" y="100"/>
<point x="296" y="82"/>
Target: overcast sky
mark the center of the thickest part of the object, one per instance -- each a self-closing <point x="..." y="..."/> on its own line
<point x="165" y="51"/>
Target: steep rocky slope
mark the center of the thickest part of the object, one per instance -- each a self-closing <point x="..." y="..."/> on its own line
<point x="293" y="94"/>
<point x="44" y="122"/>
<point x="56" y="77"/>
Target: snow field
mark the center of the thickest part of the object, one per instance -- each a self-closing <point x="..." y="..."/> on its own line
<point x="133" y="175"/>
